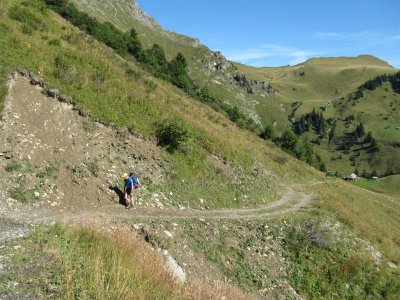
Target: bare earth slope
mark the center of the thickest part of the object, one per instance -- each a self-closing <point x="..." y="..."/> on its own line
<point x="40" y="132"/>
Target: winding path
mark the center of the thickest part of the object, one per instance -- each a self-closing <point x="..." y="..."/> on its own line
<point x="19" y="222"/>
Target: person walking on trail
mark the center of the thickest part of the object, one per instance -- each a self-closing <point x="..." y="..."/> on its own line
<point x="128" y="190"/>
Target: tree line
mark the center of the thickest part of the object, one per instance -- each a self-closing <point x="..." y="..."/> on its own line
<point x="393" y="79"/>
<point x="310" y="121"/>
<point x="290" y="143"/>
<point x="153" y="59"/>
<point x="175" y="72"/>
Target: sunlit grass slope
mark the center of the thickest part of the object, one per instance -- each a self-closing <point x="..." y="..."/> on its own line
<point x="348" y="247"/>
<point x="221" y="162"/>
<point x="378" y="111"/>
<point x="316" y="83"/>
<point x="321" y="79"/>
<point x="86" y="263"/>
<point x="385" y="185"/>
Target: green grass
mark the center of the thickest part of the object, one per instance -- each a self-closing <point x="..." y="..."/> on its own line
<point x="23" y="195"/>
<point x="385" y="185"/>
<point x="13" y="167"/>
<point x="329" y="265"/>
<point x="90" y="126"/>
<point x="316" y="82"/>
<point x="227" y="246"/>
<point x="127" y="101"/>
<point x="47" y="171"/>
<point x="373" y="216"/>
<point x="343" y="248"/>
<point x="81" y="263"/>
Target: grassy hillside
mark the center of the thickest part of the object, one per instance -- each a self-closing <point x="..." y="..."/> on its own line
<point x="343" y="246"/>
<point x="268" y="94"/>
<point x="385" y="185"/>
<point x="321" y="79"/>
<point x="374" y="148"/>
<point x="113" y="89"/>
<point x="86" y="263"/>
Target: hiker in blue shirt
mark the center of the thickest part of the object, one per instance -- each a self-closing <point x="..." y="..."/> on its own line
<point x="128" y="190"/>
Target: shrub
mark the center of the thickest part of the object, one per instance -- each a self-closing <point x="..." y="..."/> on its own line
<point x="66" y="70"/>
<point x="58" y="3"/>
<point x="90" y="126"/>
<point x="22" y="195"/>
<point x="93" y="168"/>
<point x="80" y="172"/>
<point x="13" y="166"/>
<point x="62" y="67"/>
<point x="281" y="159"/>
<point x="173" y="134"/>
<point x="55" y="42"/>
<point x="268" y="133"/>
<point x="133" y="73"/>
<point x="24" y="15"/>
<point x="150" y="86"/>
<point x="289" y="141"/>
<point x="48" y="171"/>
<point x="25" y="29"/>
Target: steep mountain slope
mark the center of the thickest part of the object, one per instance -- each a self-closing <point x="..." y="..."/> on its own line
<point x="271" y="96"/>
<point x="316" y="79"/>
<point x="212" y="203"/>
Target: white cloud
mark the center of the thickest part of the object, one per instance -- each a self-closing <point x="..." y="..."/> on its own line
<point x="293" y="56"/>
<point x="341" y="35"/>
<point x="327" y="34"/>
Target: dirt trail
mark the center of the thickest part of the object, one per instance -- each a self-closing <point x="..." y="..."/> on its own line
<point x="19" y="222"/>
<point x="38" y="131"/>
<point x="67" y="168"/>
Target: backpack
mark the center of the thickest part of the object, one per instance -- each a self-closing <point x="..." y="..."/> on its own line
<point x="135" y="180"/>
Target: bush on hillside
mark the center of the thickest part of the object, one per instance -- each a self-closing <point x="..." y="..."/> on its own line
<point x="58" y="3"/>
<point x="289" y="141"/>
<point x="27" y="17"/>
<point x="268" y="133"/>
<point x="173" y="134"/>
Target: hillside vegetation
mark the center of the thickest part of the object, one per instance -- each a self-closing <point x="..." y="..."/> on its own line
<point x="385" y="185"/>
<point x="272" y="97"/>
<point x="219" y="159"/>
<point x="343" y="244"/>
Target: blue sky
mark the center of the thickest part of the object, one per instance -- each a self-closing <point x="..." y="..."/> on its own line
<point x="282" y="32"/>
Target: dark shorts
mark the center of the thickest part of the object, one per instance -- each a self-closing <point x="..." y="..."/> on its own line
<point x="128" y="191"/>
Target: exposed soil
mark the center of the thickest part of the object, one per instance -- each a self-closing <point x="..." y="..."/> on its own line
<point x="71" y="167"/>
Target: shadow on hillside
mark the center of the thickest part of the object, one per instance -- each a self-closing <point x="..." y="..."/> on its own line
<point x="120" y="194"/>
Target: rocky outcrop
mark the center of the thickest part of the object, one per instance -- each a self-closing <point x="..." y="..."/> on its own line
<point x="262" y="88"/>
<point x="221" y="63"/>
<point x="241" y="80"/>
<point x="196" y="43"/>
<point x="141" y="16"/>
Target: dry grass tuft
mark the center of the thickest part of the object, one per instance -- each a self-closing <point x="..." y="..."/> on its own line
<point x="88" y="263"/>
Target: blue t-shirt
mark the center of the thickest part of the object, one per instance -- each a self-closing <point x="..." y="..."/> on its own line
<point x="128" y="183"/>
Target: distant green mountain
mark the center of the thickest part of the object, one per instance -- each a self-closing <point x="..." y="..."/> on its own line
<point x="277" y="96"/>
